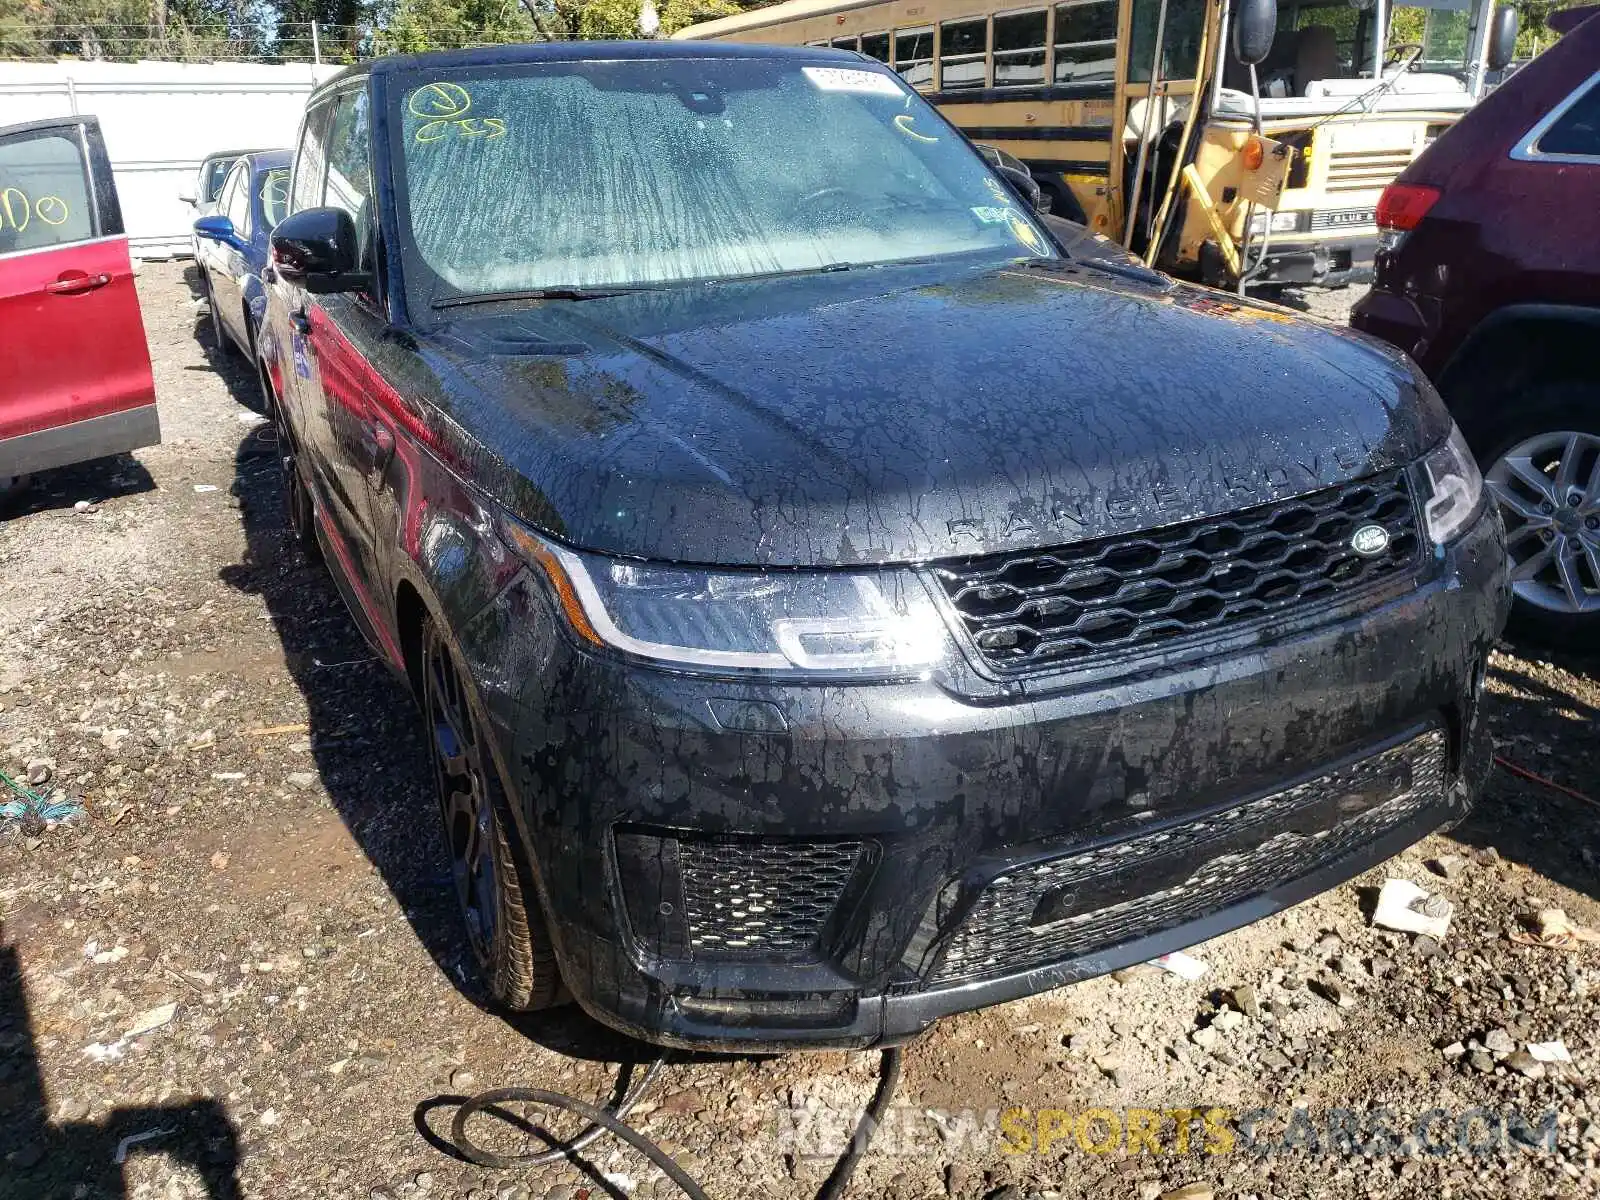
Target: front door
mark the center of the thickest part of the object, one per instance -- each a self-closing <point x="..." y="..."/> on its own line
<point x="75" y="380"/>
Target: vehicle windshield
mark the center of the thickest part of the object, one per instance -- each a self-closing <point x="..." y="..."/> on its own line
<point x="1319" y="40"/>
<point x="653" y="172"/>
<point x="275" y="196"/>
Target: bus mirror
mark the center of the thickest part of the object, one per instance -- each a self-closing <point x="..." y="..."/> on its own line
<point x="1255" y="23"/>
<point x="1502" y="38"/>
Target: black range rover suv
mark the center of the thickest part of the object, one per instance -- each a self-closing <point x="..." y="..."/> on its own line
<point x="839" y="596"/>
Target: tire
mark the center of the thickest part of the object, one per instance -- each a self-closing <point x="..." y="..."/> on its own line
<point x="297" y="501"/>
<point x="1540" y="457"/>
<point x="225" y="346"/>
<point x="505" y="925"/>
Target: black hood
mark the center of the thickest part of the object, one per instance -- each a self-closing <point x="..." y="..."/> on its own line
<point x="913" y="412"/>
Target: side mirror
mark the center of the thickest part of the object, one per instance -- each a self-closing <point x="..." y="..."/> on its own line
<point x="1023" y="184"/>
<point x="1502" y="37"/>
<point x="317" y="249"/>
<point x="216" y="229"/>
<point x="1255" y="24"/>
<point x="187" y="196"/>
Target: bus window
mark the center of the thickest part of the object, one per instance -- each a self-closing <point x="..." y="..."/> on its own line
<point x="844" y="43"/>
<point x="963" y="47"/>
<point x="1180" y="44"/>
<point x="1019" y="40"/>
<point x="1086" y="41"/>
<point x="875" y="45"/>
<point x="913" y="55"/>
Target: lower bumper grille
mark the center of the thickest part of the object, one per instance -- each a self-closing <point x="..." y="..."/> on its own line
<point x="1064" y="907"/>
<point x="704" y="898"/>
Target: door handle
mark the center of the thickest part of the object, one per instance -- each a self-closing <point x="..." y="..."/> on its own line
<point x="300" y="320"/>
<point x="75" y="284"/>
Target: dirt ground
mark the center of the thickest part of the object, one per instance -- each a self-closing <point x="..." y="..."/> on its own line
<point x="241" y="969"/>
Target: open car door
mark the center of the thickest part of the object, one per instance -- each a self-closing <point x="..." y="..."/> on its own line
<point x="75" y="379"/>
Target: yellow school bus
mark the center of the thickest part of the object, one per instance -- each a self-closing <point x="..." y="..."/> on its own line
<point x="1139" y="119"/>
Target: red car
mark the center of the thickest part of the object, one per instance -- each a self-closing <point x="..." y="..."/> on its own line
<point x="75" y="379"/>
<point x="1490" y="278"/>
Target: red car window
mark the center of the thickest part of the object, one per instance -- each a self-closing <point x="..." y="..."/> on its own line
<point x="44" y="197"/>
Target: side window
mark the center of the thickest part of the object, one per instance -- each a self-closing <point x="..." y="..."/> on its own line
<point x="1180" y="42"/>
<point x="913" y="55"/>
<point x="1086" y="41"/>
<point x="349" y="183"/>
<point x="44" y="193"/>
<point x="962" y="47"/>
<point x="844" y="43"/>
<point x="274" y="196"/>
<point x="216" y="172"/>
<point x="309" y="160"/>
<point x="875" y="45"/>
<point x="1576" y="131"/>
<point x="1019" y="48"/>
<point x="236" y="200"/>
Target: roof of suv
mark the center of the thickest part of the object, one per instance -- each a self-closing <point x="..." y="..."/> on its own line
<point x="577" y="51"/>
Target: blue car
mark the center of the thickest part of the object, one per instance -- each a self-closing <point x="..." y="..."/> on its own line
<point x="232" y="245"/>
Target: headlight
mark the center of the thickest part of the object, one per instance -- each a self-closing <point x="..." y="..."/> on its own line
<point x="1455" y="488"/>
<point x="871" y="622"/>
<point x="1279" y="222"/>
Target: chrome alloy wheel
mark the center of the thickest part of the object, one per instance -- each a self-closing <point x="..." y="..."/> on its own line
<point x="1548" y="490"/>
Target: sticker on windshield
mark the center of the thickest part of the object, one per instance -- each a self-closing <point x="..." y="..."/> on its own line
<point x="992" y="216"/>
<point x="846" y="79"/>
<point x="1024" y="232"/>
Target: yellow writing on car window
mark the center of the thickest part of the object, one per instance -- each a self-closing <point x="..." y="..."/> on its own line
<point x="440" y="100"/>
<point x="18" y="209"/>
<point x="466" y="128"/>
<point x="902" y="122"/>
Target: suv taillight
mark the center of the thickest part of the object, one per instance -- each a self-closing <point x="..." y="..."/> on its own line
<point x="1401" y="209"/>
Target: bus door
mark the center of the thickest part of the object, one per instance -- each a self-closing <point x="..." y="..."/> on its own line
<point x="1165" y="41"/>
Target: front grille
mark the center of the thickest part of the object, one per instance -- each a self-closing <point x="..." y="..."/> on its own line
<point x="1365" y="170"/>
<point x="1038" y="609"/>
<point x="1343" y="219"/>
<point x="1142" y="885"/>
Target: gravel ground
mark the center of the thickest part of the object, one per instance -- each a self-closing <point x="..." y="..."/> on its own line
<point x="257" y="886"/>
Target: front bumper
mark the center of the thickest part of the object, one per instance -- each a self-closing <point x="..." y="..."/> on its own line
<point x="766" y="866"/>
<point x="1331" y="263"/>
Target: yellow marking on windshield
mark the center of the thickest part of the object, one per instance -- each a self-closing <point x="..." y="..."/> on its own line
<point x="464" y="128"/>
<point x="440" y="100"/>
<point x="902" y="122"/>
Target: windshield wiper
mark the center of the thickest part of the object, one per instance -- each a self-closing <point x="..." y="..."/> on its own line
<point x="549" y="293"/>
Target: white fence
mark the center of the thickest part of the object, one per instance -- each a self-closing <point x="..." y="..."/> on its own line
<point x="160" y="119"/>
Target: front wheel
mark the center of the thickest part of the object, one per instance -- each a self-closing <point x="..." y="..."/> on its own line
<point x="296" y="498"/>
<point x="225" y="346"/>
<point x="504" y="923"/>
<point x="1542" y="467"/>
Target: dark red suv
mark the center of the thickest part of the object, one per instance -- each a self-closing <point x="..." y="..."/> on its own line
<point x="1488" y="274"/>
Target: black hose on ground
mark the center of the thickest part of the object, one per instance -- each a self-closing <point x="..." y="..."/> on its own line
<point x="609" y="1120"/>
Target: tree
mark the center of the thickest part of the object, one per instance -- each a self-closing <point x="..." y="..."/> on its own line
<point x="183" y="30"/>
